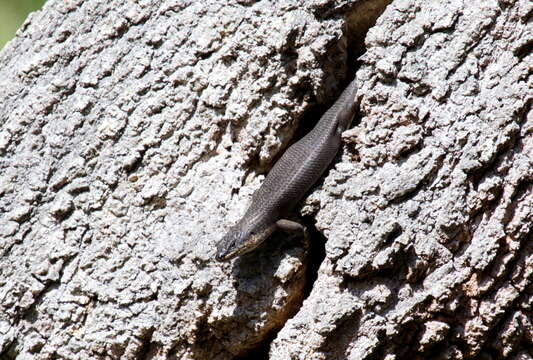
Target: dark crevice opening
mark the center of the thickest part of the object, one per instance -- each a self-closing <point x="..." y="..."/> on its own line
<point x="316" y="255"/>
<point x="260" y="353"/>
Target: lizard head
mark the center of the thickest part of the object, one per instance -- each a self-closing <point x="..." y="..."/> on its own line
<point x="242" y="238"/>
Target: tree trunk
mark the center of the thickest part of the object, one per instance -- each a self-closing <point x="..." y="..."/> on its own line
<point x="133" y="134"/>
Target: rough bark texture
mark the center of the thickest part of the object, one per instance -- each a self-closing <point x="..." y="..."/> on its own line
<point x="134" y="133"/>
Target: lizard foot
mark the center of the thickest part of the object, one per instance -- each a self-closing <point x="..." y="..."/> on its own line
<point x="294" y="227"/>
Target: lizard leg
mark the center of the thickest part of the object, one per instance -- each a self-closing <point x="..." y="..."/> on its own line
<point x="294" y="227"/>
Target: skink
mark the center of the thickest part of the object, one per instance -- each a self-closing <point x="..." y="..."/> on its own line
<point x="289" y="180"/>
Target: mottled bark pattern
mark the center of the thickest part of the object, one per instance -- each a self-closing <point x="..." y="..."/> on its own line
<point x="133" y="133"/>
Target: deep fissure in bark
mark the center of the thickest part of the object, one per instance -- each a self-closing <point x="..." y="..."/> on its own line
<point x="358" y="20"/>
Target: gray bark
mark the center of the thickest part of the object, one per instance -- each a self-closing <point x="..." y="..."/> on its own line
<point x="132" y="135"/>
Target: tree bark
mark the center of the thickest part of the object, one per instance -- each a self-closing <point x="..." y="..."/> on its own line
<point x="133" y="134"/>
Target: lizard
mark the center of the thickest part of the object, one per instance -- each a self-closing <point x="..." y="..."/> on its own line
<point x="290" y="178"/>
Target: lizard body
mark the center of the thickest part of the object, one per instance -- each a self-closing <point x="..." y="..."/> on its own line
<point x="288" y="181"/>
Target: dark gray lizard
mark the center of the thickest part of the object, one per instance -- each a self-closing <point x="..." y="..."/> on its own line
<point x="291" y="177"/>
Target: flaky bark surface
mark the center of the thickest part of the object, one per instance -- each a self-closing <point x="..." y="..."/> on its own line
<point x="134" y="133"/>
